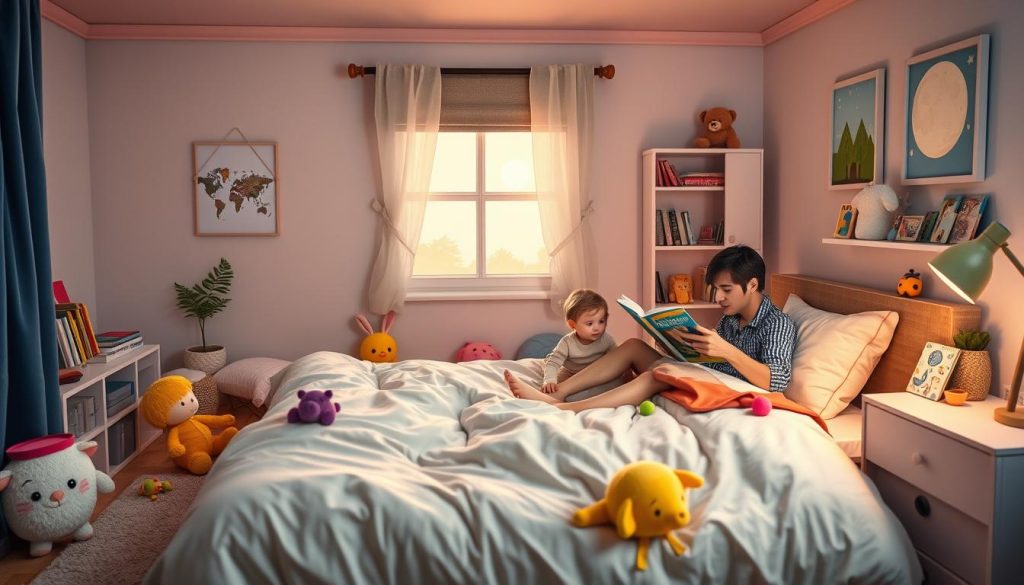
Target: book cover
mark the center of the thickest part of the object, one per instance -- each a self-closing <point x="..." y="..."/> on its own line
<point x="107" y="357"/>
<point x="112" y="349"/>
<point x="72" y="350"/>
<point x="691" y="237"/>
<point x="116" y="337"/>
<point x="673" y="175"/>
<point x="666" y="228"/>
<point x="677" y="239"/>
<point x="659" y="230"/>
<point x="76" y="341"/>
<point x="78" y="321"/>
<point x="662" y="179"/>
<point x="90" y="332"/>
<point x="659" y="289"/>
<point x="664" y="324"/>
<point x="947" y="216"/>
<point x="928" y="226"/>
<point x="933" y="370"/>
<point x="967" y="218"/>
<point x="60" y="294"/>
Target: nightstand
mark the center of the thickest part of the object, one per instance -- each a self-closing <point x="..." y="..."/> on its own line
<point x="955" y="479"/>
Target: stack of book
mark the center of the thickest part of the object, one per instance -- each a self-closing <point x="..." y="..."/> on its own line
<point x="76" y="341"/>
<point x="81" y="414"/>
<point x="703" y="180"/>
<point x="120" y="394"/>
<point x="114" y="344"/>
<point x="673" y="229"/>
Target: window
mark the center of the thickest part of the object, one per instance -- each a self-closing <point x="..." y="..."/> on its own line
<point x="481" y="233"/>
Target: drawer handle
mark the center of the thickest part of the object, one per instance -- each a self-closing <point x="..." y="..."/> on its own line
<point x="916" y="458"/>
<point x="923" y="506"/>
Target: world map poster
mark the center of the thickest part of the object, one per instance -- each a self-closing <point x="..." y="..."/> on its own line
<point x="235" y="189"/>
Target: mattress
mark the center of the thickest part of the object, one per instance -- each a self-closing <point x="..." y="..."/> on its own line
<point x="846" y="429"/>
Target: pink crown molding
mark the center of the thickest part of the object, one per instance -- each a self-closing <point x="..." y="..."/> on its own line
<point x="63" y="18"/>
<point x="801" y="19"/>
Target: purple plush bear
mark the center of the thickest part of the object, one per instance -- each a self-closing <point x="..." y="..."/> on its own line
<point x="314" y="406"/>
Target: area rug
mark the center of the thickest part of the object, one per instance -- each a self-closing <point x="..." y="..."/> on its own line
<point x="129" y="536"/>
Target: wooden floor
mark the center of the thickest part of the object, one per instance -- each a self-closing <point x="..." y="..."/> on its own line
<point x="19" y="568"/>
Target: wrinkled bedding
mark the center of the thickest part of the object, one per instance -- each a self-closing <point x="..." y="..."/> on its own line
<point x="434" y="473"/>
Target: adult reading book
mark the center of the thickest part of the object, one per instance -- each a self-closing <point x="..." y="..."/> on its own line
<point x="666" y="325"/>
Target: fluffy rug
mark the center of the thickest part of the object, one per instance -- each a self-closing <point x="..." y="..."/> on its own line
<point x="129" y="535"/>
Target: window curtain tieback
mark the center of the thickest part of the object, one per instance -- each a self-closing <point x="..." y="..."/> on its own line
<point x="382" y="211"/>
<point x="583" y="216"/>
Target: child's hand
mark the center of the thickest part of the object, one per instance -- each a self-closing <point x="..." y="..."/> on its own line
<point x="549" y="387"/>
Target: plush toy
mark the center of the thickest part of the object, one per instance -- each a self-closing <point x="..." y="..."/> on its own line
<point x="760" y="406"/>
<point x="153" y="486"/>
<point x="378" y="347"/>
<point x="679" y="287"/>
<point x="875" y="206"/>
<point x="644" y="500"/>
<point x="477" y="350"/>
<point x="170" y="404"/>
<point x="718" y="131"/>
<point x="49" y="490"/>
<point x="910" y="285"/>
<point x="314" y="406"/>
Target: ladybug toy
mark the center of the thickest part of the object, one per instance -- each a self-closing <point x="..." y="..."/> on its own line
<point x="910" y="285"/>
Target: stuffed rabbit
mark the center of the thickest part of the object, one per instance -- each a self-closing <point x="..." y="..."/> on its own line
<point x="378" y="347"/>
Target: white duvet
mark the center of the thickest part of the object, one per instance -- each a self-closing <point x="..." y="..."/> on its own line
<point x="433" y="473"/>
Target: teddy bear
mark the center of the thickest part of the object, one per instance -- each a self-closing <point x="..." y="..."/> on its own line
<point x="169" y="403"/>
<point x="875" y="206"/>
<point x="679" y="287"/>
<point x="718" y="131"/>
<point x="314" y="406"/>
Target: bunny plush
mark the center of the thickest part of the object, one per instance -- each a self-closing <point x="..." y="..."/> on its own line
<point x="378" y="347"/>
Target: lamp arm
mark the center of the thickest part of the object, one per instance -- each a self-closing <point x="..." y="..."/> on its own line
<point x="1013" y="259"/>
<point x="1018" y="372"/>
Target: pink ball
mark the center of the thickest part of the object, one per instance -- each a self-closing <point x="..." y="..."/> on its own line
<point x="761" y="406"/>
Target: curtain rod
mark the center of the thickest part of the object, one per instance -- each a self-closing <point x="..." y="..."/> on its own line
<point x="604" y="72"/>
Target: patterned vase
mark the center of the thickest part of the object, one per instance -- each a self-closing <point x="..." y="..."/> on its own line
<point x="208" y="361"/>
<point x="973" y="373"/>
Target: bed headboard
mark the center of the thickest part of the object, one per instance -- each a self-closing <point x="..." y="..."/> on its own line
<point x="921" y="320"/>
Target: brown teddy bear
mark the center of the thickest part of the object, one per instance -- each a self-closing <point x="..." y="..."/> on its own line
<point x="718" y="130"/>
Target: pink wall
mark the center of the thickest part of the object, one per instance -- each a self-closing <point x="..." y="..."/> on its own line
<point x="297" y="293"/>
<point x="799" y="73"/>
<point x="66" y="147"/>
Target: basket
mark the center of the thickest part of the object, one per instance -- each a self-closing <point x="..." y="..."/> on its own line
<point x="207" y="395"/>
<point x="973" y="373"/>
<point x="206" y="361"/>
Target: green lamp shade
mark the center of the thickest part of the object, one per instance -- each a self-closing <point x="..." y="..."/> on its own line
<point x="967" y="266"/>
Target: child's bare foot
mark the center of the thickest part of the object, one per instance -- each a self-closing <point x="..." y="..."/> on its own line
<point x="523" y="390"/>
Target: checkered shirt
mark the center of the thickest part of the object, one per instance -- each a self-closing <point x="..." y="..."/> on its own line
<point x="769" y="338"/>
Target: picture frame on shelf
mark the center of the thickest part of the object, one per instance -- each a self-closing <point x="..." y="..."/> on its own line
<point x="858" y="131"/>
<point x="947" y="216"/>
<point x="845" y="222"/>
<point x="235" y="189"/>
<point x="968" y="218"/>
<point x="947" y="114"/>
<point x="910" y="228"/>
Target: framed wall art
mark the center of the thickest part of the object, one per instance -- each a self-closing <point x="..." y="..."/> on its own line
<point x="858" y="131"/>
<point x="947" y="114"/>
<point x="235" y="189"/>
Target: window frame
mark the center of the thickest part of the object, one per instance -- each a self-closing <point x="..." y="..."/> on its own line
<point x="480" y="286"/>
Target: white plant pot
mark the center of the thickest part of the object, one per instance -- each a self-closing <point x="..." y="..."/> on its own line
<point x="206" y="361"/>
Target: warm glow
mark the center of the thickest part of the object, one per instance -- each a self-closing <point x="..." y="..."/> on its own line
<point x="509" y="167"/>
<point x="950" y="284"/>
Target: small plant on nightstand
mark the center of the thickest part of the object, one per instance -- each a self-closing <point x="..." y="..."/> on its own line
<point x="202" y="301"/>
<point x="973" y="372"/>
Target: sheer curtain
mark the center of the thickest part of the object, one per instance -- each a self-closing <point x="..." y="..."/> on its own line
<point x="562" y="124"/>
<point x="408" y="112"/>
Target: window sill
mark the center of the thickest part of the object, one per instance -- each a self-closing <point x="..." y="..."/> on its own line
<point x="491" y="295"/>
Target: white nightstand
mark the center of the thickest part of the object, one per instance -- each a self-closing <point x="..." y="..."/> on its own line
<point x="955" y="479"/>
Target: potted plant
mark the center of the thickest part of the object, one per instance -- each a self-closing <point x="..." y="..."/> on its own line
<point x="973" y="372"/>
<point x="202" y="301"/>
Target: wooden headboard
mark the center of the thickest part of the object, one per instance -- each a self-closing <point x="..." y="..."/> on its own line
<point x="921" y="320"/>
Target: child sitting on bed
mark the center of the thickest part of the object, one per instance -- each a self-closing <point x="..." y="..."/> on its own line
<point x="754" y="337"/>
<point x="586" y="313"/>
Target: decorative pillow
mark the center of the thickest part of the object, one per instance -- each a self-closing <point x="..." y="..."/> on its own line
<point x="249" y="378"/>
<point x="835" y="354"/>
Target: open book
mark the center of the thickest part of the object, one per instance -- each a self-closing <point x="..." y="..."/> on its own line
<point x="663" y="323"/>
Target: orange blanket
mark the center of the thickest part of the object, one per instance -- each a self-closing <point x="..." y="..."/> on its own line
<point x="698" y="391"/>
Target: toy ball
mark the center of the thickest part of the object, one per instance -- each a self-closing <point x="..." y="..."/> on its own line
<point x="538" y="346"/>
<point x="910" y="285"/>
<point x="646" y="408"/>
<point x="153" y="486"/>
<point x="378" y="347"/>
<point x="477" y="350"/>
<point x="314" y="406"/>
<point x="761" y="406"/>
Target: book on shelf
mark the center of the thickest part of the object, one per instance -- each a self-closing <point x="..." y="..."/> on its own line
<point x="927" y="226"/>
<point x="664" y="324"/>
<point x="968" y="217"/>
<point x="702" y="180"/>
<point x="659" y="289"/>
<point x="665" y="227"/>
<point x="659" y="229"/>
<point x="108" y="355"/>
<point x="112" y="349"/>
<point x="947" y="217"/>
<point x="111" y="338"/>
<point x="691" y="237"/>
<point x="83" y="324"/>
<point x="673" y="223"/>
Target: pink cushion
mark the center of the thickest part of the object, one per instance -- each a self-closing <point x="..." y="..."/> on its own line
<point x="249" y="378"/>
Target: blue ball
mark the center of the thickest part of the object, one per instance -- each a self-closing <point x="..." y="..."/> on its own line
<point x="538" y="346"/>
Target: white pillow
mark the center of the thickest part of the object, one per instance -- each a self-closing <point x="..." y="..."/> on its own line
<point x="249" y="378"/>
<point x="835" y="354"/>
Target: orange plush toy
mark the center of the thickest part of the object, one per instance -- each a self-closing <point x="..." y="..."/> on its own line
<point x="170" y="403"/>
<point x="718" y="131"/>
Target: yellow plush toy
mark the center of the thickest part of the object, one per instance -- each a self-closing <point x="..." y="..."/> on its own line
<point x="170" y="403"/>
<point x="644" y="500"/>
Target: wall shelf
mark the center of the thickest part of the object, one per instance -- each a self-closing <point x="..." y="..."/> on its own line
<point x="919" y="246"/>
<point x="706" y="188"/>
<point x="683" y="248"/>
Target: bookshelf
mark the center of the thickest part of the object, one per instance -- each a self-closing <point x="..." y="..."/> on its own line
<point x="738" y="203"/>
<point x="120" y="434"/>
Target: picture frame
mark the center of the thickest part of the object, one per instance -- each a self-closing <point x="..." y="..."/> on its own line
<point x="933" y="370"/>
<point x="968" y="218"/>
<point x="947" y="216"/>
<point x="909" y="229"/>
<point x="947" y="114"/>
<point x="846" y="222"/>
<point x="858" y="131"/>
<point x="235" y="189"/>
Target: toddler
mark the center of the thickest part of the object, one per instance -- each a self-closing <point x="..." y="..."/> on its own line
<point x="586" y="313"/>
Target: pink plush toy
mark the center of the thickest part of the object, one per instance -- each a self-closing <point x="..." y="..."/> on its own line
<point x="761" y="406"/>
<point x="477" y="350"/>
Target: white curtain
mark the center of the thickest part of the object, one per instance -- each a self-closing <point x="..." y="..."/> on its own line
<point x="562" y="120"/>
<point x="408" y="113"/>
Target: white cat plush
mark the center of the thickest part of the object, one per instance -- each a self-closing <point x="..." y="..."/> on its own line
<point x="49" y="490"/>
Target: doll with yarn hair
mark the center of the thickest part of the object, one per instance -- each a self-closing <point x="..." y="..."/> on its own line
<point x="170" y="404"/>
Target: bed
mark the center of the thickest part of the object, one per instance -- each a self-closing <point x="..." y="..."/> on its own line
<point x="433" y="473"/>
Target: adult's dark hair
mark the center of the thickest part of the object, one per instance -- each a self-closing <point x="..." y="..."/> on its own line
<point x="741" y="262"/>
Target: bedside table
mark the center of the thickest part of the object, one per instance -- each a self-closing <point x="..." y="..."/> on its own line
<point x="955" y="479"/>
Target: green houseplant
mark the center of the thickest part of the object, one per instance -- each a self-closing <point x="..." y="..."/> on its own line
<point x="973" y="372"/>
<point x="202" y="301"/>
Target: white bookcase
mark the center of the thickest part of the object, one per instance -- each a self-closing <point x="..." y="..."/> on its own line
<point x="142" y="368"/>
<point x="738" y="203"/>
